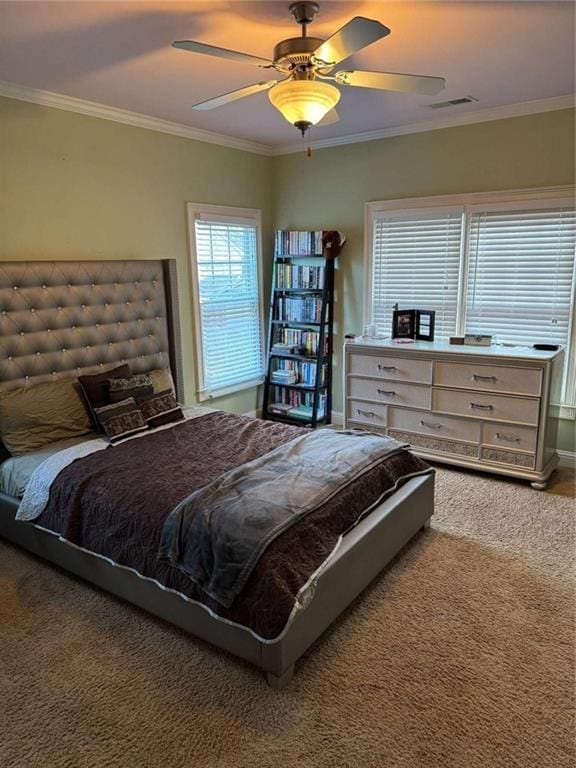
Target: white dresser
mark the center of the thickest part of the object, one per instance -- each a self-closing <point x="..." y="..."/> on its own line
<point x="485" y="408"/>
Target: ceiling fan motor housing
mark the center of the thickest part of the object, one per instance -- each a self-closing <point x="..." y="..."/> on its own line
<point x="295" y="51"/>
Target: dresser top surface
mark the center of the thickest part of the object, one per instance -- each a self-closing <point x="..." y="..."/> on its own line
<point x="493" y="351"/>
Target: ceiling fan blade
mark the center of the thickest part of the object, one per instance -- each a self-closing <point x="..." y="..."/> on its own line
<point x="222" y="53"/>
<point x="328" y="119"/>
<point x="356" y="34"/>
<point x="392" y="81"/>
<point x="240" y="93"/>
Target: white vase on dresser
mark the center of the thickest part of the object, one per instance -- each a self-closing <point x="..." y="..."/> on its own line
<point x="485" y="408"/>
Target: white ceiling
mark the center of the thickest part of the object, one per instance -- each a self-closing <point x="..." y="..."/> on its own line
<point x="119" y="54"/>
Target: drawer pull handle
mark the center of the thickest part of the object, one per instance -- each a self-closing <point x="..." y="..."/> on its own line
<point x="386" y="367"/>
<point x="507" y="438"/>
<point x="366" y="413"/>
<point x="481" y="407"/>
<point x="477" y="377"/>
<point x="389" y="392"/>
<point x="431" y="426"/>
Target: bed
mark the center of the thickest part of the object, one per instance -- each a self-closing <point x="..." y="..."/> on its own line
<point x="63" y="318"/>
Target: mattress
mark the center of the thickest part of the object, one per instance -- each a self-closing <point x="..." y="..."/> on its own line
<point x="16" y="471"/>
<point x="114" y="503"/>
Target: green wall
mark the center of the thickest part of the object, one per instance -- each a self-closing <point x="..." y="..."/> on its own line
<point x="329" y="189"/>
<point x="567" y="435"/>
<point x="77" y="187"/>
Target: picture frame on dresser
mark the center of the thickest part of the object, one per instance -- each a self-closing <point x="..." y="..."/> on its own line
<point x="425" y="322"/>
<point x="403" y="323"/>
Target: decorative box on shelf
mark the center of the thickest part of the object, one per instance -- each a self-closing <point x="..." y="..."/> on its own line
<point x="480" y="407"/>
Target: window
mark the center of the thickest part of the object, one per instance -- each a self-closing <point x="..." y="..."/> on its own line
<point x="226" y="276"/>
<point x="416" y="258"/>
<point x="500" y="264"/>
<point x="520" y="266"/>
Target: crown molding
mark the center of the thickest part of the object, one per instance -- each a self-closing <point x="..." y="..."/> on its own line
<point x="136" y="119"/>
<point x="477" y="116"/>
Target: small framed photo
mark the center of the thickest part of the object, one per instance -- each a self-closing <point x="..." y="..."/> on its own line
<point x="425" y="324"/>
<point x="403" y="323"/>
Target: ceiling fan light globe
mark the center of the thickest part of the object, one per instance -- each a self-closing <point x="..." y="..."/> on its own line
<point x="304" y="101"/>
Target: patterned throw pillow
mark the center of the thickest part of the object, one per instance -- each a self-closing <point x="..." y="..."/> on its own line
<point x="121" y="420"/>
<point x="95" y="387"/>
<point x="135" y="386"/>
<point x="161" y="408"/>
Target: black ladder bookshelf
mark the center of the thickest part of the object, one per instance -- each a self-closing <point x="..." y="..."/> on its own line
<point x="298" y="384"/>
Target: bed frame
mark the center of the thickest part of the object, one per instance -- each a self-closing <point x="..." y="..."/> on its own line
<point x="82" y="316"/>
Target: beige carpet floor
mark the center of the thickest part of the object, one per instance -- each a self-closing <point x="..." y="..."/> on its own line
<point x="461" y="655"/>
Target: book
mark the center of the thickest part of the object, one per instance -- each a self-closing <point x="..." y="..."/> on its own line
<point x="281" y="408"/>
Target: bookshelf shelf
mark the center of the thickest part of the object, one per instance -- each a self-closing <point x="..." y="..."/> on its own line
<point x="297" y="291"/>
<point x="303" y="358"/>
<point x="282" y="256"/>
<point x="307" y="387"/>
<point x="295" y="420"/>
<point x="302" y="286"/>
<point x="295" y="322"/>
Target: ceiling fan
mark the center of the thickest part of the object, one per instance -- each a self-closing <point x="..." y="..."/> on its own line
<point x="305" y="96"/>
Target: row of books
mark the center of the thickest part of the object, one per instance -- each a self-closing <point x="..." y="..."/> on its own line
<point x="298" y="243"/>
<point x="298" y="372"/>
<point x="294" y="341"/>
<point x="299" y="310"/>
<point x="296" y="405"/>
<point x="290" y="276"/>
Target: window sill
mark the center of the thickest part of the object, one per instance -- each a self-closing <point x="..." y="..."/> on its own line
<point x="212" y="395"/>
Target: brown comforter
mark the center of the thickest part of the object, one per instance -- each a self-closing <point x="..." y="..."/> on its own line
<point x="115" y="503"/>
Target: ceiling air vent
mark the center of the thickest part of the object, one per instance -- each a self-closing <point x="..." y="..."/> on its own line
<point x="453" y="102"/>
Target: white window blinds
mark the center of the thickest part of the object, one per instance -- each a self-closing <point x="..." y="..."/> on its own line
<point x="520" y="273"/>
<point x="228" y="294"/>
<point x="415" y="263"/>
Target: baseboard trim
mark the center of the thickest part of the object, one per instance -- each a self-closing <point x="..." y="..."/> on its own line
<point x="257" y="414"/>
<point x="567" y="459"/>
<point x="337" y="417"/>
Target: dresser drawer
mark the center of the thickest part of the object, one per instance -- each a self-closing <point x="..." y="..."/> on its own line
<point x="524" y="460"/>
<point x="488" y="378"/>
<point x="486" y="406"/>
<point x="512" y="437"/>
<point x="435" y="444"/>
<point x="367" y="413"/>
<point x="394" y="368"/>
<point x="437" y="426"/>
<point x="393" y="392"/>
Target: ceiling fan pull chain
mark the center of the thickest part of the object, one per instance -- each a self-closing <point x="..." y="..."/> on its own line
<point x="309" y="147"/>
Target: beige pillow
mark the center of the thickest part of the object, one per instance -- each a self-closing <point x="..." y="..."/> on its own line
<point x="161" y="380"/>
<point x="32" y="417"/>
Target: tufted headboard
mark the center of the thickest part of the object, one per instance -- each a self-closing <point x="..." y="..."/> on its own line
<point x="59" y="318"/>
